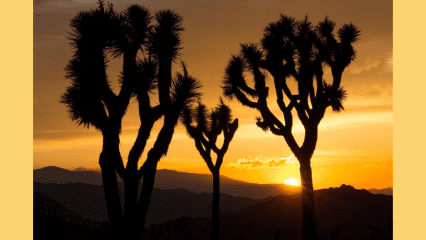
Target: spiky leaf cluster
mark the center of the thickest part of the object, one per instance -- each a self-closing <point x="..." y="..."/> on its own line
<point x="165" y="38"/>
<point x="86" y="70"/>
<point x="297" y="49"/>
<point x="185" y="90"/>
<point x="334" y="98"/>
<point x="210" y="123"/>
<point x="131" y="29"/>
<point x="234" y="76"/>
<point x="147" y="71"/>
<point x="101" y="31"/>
<point x="337" y="54"/>
<point x="91" y="29"/>
<point x="85" y="107"/>
<point x="205" y="126"/>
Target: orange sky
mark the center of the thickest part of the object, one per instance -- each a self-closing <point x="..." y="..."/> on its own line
<point x="354" y="147"/>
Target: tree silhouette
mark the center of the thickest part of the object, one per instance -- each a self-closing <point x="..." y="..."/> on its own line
<point x="153" y="231"/>
<point x="91" y="102"/>
<point x="182" y="224"/>
<point x="205" y="133"/>
<point x="278" y="235"/>
<point x="296" y="49"/>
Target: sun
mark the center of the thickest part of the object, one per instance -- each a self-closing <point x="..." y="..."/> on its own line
<point x="291" y="181"/>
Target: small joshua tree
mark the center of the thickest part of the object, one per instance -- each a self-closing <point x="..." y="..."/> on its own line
<point x="300" y="50"/>
<point x="205" y="133"/>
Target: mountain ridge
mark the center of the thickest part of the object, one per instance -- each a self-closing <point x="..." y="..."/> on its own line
<point x="170" y="179"/>
<point x="173" y="179"/>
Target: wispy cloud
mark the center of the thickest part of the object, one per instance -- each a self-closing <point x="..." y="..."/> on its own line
<point x="259" y="163"/>
<point x="378" y="165"/>
<point x="372" y="53"/>
<point x="370" y="62"/>
<point x="79" y="142"/>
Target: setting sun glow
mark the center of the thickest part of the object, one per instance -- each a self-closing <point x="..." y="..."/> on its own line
<point x="291" y="181"/>
<point x="356" y="142"/>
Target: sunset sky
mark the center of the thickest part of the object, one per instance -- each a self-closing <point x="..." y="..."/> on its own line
<point x="354" y="147"/>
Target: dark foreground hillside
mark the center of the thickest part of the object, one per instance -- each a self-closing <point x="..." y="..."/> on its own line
<point x="355" y="212"/>
<point x="71" y="205"/>
<point x="342" y="213"/>
<point x="54" y="221"/>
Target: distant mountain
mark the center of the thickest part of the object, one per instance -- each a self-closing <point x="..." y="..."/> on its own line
<point x="385" y="191"/>
<point x="169" y="179"/>
<point x="63" y="176"/>
<point x="82" y="169"/>
<point x="198" y="183"/>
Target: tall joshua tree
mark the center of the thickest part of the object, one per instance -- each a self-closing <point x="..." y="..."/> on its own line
<point x="91" y="102"/>
<point x="297" y="49"/>
<point x="205" y="133"/>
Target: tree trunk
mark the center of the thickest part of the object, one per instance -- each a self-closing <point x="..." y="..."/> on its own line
<point x="308" y="208"/>
<point x="337" y="77"/>
<point x="164" y="81"/>
<point x="160" y="148"/>
<point x="107" y="159"/>
<point x="215" y="213"/>
<point x="112" y="196"/>
<point x="145" y="196"/>
<point x="130" y="220"/>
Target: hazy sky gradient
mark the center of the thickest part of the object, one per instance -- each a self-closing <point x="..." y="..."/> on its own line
<point x="354" y="147"/>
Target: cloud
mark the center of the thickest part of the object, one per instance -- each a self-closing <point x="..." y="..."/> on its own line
<point x="258" y="163"/>
<point x="378" y="165"/>
<point x="382" y="62"/>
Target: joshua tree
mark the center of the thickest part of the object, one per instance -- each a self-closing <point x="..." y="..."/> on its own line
<point x="153" y="230"/>
<point x="205" y="133"/>
<point x="278" y="235"/>
<point x="91" y="101"/>
<point x="182" y="224"/>
<point x="297" y="49"/>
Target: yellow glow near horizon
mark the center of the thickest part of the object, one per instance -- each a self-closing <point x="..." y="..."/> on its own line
<point x="292" y="181"/>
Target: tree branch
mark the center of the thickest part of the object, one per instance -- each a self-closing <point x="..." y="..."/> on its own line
<point x="128" y="81"/>
<point x="300" y="109"/>
<point x="139" y="145"/>
<point x="244" y="100"/>
<point x="270" y="118"/>
<point x="119" y="167"/>
<point x="228" y="135"/>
